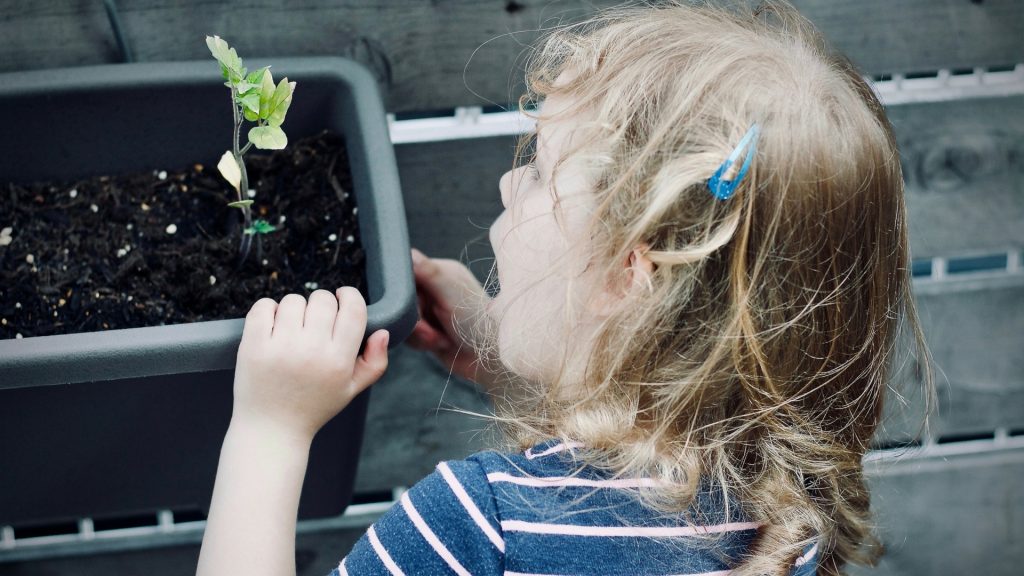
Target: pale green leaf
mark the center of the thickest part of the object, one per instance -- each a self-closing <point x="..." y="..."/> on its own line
<point x="241" y="203"/>
<point x="244" y="87"/>
<point x="268" y="137"/>
<point x="256" y="77"/>
<point x="250" y="115"/>
<point x="266" y="94"/>
<point x="231" y="64"/>
<point x="250" y="103"/>
<point x="280" y="103"/>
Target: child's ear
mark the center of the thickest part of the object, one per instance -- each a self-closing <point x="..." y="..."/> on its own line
<point x="639" y="267"/>
<point x="636" y="272"/>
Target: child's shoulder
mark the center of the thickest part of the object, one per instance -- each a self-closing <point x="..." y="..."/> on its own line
<point x="550" y="457"/>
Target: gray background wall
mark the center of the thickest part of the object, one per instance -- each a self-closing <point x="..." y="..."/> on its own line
<point x="956" y="508"/>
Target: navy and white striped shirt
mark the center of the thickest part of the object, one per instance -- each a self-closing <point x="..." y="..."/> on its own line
<point x="541" y="512"/>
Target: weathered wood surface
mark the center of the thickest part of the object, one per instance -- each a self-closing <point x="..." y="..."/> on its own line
<point x="974" y="330"/>
<point x="977" y="338"/>
<point x="964" y="166"/>
<point x="441" y="54"/>
<point x="950" y="516"/>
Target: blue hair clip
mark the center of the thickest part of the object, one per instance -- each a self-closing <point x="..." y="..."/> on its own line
<point x="723" y="189"/>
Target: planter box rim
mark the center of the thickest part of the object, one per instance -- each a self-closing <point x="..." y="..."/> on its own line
<point x="143" y="74"/>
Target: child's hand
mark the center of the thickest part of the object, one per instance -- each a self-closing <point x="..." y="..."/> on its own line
<point x="298" y="363"/>
<point x="445" y="290"/>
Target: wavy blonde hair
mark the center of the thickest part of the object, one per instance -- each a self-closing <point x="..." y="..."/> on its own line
<point x="759" y="354"/>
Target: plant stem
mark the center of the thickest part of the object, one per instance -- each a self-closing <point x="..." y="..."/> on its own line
<point x="246" y="241"/>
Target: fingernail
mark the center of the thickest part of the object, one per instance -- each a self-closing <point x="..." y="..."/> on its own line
<point x="387" y="337"/>
<point x="417" y="257"/>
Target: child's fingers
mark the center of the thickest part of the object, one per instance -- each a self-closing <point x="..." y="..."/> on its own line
<point x="446" y="282"/>
<point x="321" y="313"/>
<point x="350" y="324"/>
<point x="373" y="362"/>
<point x="259" y="322"/>
<point x="425" y="337"/>
<point x="288" y="320"/>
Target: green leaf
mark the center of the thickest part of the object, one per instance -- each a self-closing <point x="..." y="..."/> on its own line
<point x="230" y="64"/>
<point x="250" y="116"/>
<point x="260" y="227"/>
<point x="250" y="102"/>
<point x="266" y="94"/>
<point x="268" y="137"/>
<point x="256" y="77"/>
<point x="280" y="102"/>
<point x="243" y="88"/>
<point x="241" y="204"/>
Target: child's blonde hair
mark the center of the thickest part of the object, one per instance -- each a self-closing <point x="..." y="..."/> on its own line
<point x="758" y="355"/>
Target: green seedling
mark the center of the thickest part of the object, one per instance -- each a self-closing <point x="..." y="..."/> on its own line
<point x="260" y="226"/>
<point x="254" y="97"/>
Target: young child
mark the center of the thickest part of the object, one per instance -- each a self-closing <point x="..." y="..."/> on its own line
<point x="703" y="273"/>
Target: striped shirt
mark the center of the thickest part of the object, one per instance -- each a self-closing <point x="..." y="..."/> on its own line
<point x="542" y="512"/>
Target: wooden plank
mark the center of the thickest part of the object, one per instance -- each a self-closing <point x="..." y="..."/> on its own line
<point x="964" y="166"/>
<point x="974" y="330"/>
<point x="884" y="37"/>
<point x="419" y="51"/>
<point x="956" y="515"/>
<point x="434" y="55"/>
<point x="451" y="195"/>
<point x="976" y="339"/>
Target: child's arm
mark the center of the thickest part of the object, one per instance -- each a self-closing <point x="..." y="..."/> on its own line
<point x="297" y="367"/>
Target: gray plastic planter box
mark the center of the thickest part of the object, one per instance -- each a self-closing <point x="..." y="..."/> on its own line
<point x="125" y="422"/>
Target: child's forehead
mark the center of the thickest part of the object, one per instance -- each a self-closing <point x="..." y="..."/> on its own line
<point x="556" y="121"/>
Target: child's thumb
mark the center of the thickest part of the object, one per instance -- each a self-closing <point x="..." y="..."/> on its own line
<point x="373" y="362"/>
<point x="417" y="257"/>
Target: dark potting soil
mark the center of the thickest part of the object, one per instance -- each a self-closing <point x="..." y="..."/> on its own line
<point x="162" y="247"/>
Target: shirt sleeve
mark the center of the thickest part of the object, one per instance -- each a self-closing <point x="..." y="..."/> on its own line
<point x="446" y="524"/>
